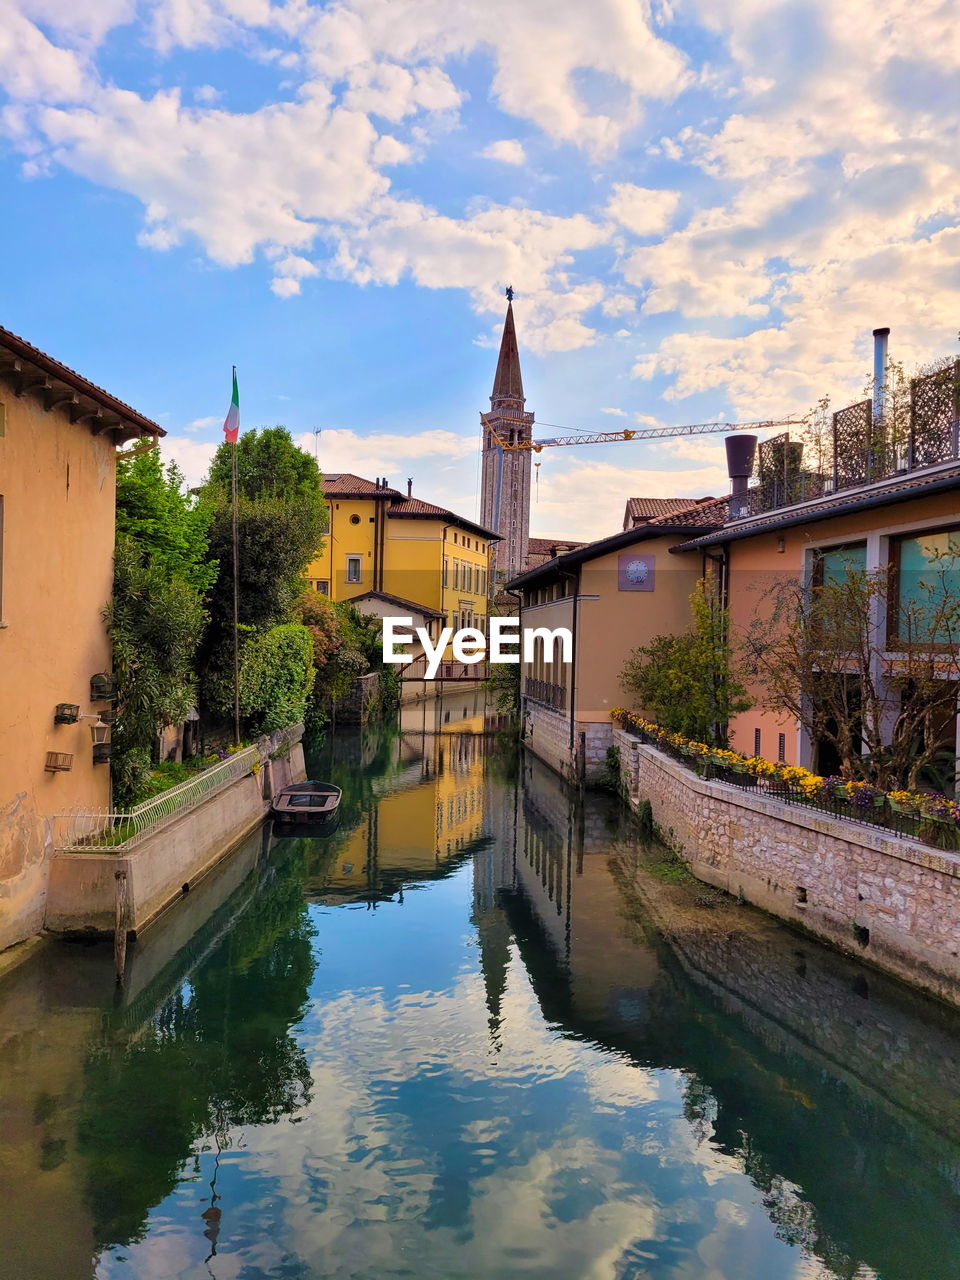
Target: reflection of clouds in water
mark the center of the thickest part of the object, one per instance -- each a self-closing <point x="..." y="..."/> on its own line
<point x="427" y="1152"/>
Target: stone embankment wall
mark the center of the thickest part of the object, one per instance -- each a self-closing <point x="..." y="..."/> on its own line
<point x="547" y="735"/>
<point x="82" y="892"/>
<point x="892" y="901"/>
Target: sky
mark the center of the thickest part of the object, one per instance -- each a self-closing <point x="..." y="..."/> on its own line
<point x="704" y="207"/>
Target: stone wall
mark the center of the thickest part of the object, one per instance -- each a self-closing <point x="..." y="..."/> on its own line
<point x="82" y="891"/>
<point x="547" y="735"/>
<point x="891" y="901"/>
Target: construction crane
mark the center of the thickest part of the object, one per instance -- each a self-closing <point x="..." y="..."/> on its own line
<point x="633" y="433"/>
<point x="611" y="437"/>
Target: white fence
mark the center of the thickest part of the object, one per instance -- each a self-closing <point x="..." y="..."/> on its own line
<point x="84" y="831"/>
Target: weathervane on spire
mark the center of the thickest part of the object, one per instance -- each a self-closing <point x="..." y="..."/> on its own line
<point x="509" y="292"/>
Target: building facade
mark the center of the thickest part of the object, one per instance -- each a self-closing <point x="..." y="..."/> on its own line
<point x="612" y="596"/>
<point x="905" y="528"/>
<point x="58" y="444"/>
<point x="392" y="544"/>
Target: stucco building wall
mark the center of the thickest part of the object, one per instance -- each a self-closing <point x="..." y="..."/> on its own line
<point x="835" y="878"/>
<point x="57" y="482"/>
<point x="758" y="564"/>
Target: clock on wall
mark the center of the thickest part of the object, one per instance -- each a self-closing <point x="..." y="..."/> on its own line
<point x="635" y="573"/>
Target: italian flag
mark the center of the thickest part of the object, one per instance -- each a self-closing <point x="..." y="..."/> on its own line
<point x="231" y="424"/>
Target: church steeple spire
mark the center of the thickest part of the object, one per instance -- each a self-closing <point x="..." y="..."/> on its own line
<point x="505" y="497"/>
<point x="507" y="382"/>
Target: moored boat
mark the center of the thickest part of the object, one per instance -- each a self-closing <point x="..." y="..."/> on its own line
<point x="306" y="804"/>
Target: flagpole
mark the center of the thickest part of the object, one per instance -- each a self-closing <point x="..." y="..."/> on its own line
<point x="236" y="595"/>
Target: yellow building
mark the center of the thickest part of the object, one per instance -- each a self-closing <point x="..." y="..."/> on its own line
<point x="58" y="438"/>
<point x="382" y="543"/>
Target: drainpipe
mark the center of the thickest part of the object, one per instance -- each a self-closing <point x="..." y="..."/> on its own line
<point x="574" y="578"/>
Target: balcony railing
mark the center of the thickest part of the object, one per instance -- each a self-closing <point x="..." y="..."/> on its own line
<point x="551" y="695"/>
<point x="862" y="449"/>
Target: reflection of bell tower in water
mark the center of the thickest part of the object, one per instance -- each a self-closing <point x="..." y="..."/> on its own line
<point x="505" y="493"/>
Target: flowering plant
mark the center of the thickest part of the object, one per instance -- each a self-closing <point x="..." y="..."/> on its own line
<point x="862" y="796"/>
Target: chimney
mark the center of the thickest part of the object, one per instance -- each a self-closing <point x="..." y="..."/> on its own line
<point x="409" y="486"/>
<point x="740" y="454"/>
<point x="880" y="341"/>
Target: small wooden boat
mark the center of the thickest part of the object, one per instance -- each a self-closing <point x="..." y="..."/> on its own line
<point x="306" y="804"/>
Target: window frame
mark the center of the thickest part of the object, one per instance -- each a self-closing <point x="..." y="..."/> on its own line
<point x="894" y="560"/>
<point x="358" y="561"/>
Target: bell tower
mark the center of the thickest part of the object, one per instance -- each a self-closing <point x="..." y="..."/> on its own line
<point x="505" y="491"/>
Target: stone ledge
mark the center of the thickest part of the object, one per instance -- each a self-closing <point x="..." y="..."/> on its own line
<point x="867" y="837"/>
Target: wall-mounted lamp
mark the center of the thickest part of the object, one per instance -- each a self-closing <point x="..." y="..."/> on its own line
<point x="100" y="732"/>
<point x="781" y="545"/>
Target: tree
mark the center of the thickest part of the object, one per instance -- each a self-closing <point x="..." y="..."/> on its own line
<point x="155" y="621"/>
<point x="156" y="617"/>
<point x="281" y="517"/>
<point x="276" y="676"/>
<point x="691" y="683"/>
<point x="155" y="510"/>
<point x="870" y="671"/>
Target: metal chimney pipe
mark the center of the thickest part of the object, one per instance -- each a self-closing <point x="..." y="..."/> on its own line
<point x="740" y="453"/>
<point x="880" y="342"/>
<point x="409" y="486"/>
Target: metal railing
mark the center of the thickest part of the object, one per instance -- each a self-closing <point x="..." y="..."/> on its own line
<point x="551" y="695"/>
<point x="877" y="814"/>
<point x="85" y="831"/>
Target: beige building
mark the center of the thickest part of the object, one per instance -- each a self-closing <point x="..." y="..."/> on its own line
<point x="612" y="596"/>
<point x="58" y="441"/>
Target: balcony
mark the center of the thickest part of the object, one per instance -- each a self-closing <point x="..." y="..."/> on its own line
<point x="919" y="431"/>
<point x="549" y="695"/>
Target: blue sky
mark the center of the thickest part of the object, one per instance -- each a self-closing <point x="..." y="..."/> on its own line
<point x="704" y="207"/>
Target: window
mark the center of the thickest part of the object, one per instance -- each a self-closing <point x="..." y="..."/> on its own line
<point x="756" y="742"/>
<point x="323" y="586"/>
<point x="456" y="573"/>
<point x="354" y="519"/>
<point x="446" y="571"/>
<point x="925" y="603"/>
<point x="781" y="747"/>
<point x="837" y="564"/>
<point x="354" y="568"/>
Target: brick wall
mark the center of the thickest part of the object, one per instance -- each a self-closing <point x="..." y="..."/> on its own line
<point x="892" y="901"/>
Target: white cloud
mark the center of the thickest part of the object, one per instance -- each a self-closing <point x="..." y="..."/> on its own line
<point x="203" y="424"/>
<point x="587" y="499"/>
<point x="618" y="413"/>
<point x="507" y="151"/>
<point x="193" y="457"/>
<point x="640" y="210"/>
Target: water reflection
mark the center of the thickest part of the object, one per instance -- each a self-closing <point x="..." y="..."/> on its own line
<point x="475" y="1033"/>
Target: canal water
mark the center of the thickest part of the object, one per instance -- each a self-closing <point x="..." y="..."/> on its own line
<point x="480" y="1031"/>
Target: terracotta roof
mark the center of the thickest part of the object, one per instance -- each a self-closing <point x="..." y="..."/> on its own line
<point x="413" y="508"/>
<point x="346" y="485"/>
<point x="507" y="382"/>
<point x="707" y="513"/>
<point x="130" y="424"/>
<point x="648" y="508"/>
<point x="704" y="515"/>
<point x="399" y="601"/>
<point x="544" y="546"/>
<point x="882" y="493"/>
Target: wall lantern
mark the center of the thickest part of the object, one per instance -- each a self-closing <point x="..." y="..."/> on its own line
<point x="102" y="687"/>
<point x="100" y="732"/>
<point x="66" y="713"/>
